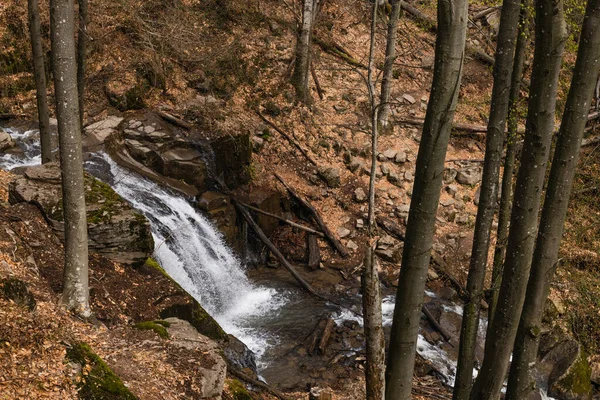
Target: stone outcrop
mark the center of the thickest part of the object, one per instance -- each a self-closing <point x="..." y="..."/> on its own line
<point x="115" y="230"/>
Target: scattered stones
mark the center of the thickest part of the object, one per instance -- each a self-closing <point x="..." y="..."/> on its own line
<point x="408" y="98"/>
<point x="343" y="232"/>
<point x="400" y="157"/>
<point x="468" y="176"/>
<point x="359" y="195"/>
<point x="331" y="176"/>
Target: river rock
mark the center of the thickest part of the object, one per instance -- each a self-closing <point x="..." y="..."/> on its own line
<point x="6" y="141"/>
<point x="115" y="230"/>
<point x="213" y="370"/>
<point x="96" y="133"/>
<point x="468" y="176"/>
<point x="331" y="176"/>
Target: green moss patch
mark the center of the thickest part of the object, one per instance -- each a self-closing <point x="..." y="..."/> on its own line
<point x="577" y="382"/>
<point x="98" y="381"/>
<point x="17" y="291"/>
<point x="157" y="326"/>
<point x="238" y="390"/>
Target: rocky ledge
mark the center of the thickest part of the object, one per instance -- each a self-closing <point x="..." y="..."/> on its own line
<point x="115" y="230"/>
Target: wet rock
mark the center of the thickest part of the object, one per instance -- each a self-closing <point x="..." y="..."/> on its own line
<point x="359" y="195"/>
<point x="115" y="230"/>
<point x="469" y="176"/>
<point x="6" y="141"/>
<point x="213" y="370"/>
<point x="331" y="176"/>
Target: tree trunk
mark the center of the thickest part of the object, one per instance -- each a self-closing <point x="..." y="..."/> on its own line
<point x="449" y="57"/>
<point x="40" y="79"/>
<point x="503" y="67"/>
<point x="510" y="158"/>
<point x="550" y="39"/>
<point x="300" y="77"/>
<point x="75" y="287"/>
<point x="81" y="54"/>
<point x="388" y="66"/>
<point x="560" y="183"/>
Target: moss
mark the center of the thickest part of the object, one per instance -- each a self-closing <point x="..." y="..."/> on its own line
<point x="17" y="291"/>
<point x="577" y="381"/>
<point x="238" y="390"/>
<point x="155" y="326"/>
<point x="98" y="381"/>
<point x="166" y="324"/>
<point x="198" y="318"/>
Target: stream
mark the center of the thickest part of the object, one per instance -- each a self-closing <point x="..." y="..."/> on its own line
<point x="268" y="316"/>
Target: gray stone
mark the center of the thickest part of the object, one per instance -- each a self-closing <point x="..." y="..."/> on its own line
<point x="6" y="141"/>
<point x="351" y="245"/>
<point x="452" y="189"/>
<point x="400" y="157"/>
<point x="390" y="154"/>
<point x="392" y="254"/>
<point x="257" y="143"/>
<point x="449" y="175"/>
<point x="359" y="195"/>
<point x="447" y="202"/>
<point x="469" y="176"/>
<point x="343" y="232"/>
<point x="408" y="98"/>
<point x="149" y="129"/>
<point x="408" y="176"/>
<point x="331" y="176"/>
<point x="385" y="169"/>
<point x="355" y="164"/>
<point x="360" y="223"/>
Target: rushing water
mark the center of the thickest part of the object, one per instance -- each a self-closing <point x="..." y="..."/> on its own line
<point x="195" y="255"/>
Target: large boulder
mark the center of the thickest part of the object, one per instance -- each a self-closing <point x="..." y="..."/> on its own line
<point x="115" y="230"/>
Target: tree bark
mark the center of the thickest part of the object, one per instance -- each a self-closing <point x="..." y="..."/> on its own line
<point x="301" y="75"/>
<point x="503" y="67"/>
<point x="510" y="158"/>
<point x="449" y="58"/>
<point x="560" y="183"/>
<point x="40" y="79"/>
<point x="82" y="40"/>
<point x="388" y="66"/>
<point x="75" y="286"/>
<point x="550" y="39"/>
<point x="314" y="253"/>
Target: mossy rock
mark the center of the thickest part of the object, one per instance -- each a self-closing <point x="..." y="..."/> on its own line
<point x="199" y="318"/>
<point x="157" y="326"/>
<point x="98" y="381"/>
<point x="239" y="391"/>
<point x="17" y="291"/>
<point x="576" y="382"/>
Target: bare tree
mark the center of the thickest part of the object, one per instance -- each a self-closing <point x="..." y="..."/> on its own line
<point x="560" y="183"/>
<point x="82" y="41"/>
<point x="550" y="40"/>
<point x="510" y="157"/>
<point x="503" y="67"/>
<point x="388" y="66"/>
<point x="301" y="75"/>
<point x="449" y="57"/>
<point x="75" y="285"/>
<point x="40" y="79"/>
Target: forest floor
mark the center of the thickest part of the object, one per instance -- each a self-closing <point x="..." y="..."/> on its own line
<point x="215" y="63"/>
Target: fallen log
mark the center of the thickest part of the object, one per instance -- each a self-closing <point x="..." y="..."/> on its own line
<point x="287" y="221"/>
<point x="233" y="370"/>
<point x="436" y="325"/>
<point x="485" y="12"/>
<point x="316" y="217"/>
<point x="316" y="79"/>
<point x="336" y="50"/>
<point x="261" y="235"/>
<point x="390" y="227"/>
<point x="174" y="120"/>
<point x="287" y="137"/>
<point x="314" y="253"/>
<point x="326" y="335"/>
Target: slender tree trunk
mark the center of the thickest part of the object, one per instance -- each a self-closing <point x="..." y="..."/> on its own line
<point x="550" y="39"/>
<point x="388" y="66"/>
<point x="375" y="368"/>
<point x="560" y="183"/>
<point x="449" y="57"/>
<point x="505" y="51"/>
<point x="301" y="75"/>
<point x="75" y="286"/>
<point x="81" y="54"/>
<point x="40" y="79"/>
<point x="510" y="158"/>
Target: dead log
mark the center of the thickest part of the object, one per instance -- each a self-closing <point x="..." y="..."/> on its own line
<point x="337" y="50"/>
<point x="174" y="120"/>
<point x="314" y="254"/>
<point x="288" y="138"/>
<point x="326" y="335"/>
<point x="435" y="325"/>
<point x="485" y="12"/>
<point x="233" y="370"/>
<point x="316" y="217"/>
<point x="261" y="235"/>
<point x="287" y="221"/>
<point x="390" y="227"/>
<point x="316" y="79"/>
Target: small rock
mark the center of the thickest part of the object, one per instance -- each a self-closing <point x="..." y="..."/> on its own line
<point x="343" y="232"/>
<point x="408" y="98"/>
<point x="408" y="176"/>
<point x="6" y="141"/>
<point x="432" y="275"/>
<point x="400" y="157"/>
<point x="331" y="176"/>
<point x="390" y="153"/>
<point x="424" y="99"/>
<point x="360" y="223"/>
<point x="468" y="176"/>
<point x="385" y="169"/>
<point x="381" y="157"/>
<point x="355" y="163"/>
<point x="596" y="372"/>
<point x="447" y="202"/>
<point x="351" y="245"/>
<point x="449" y="175"/>
<point x="257" y="143"/>
<point x="359" y="195"/>
<point x="452" y="189"/>
<point x="149" y="129"/>
<point x="393" y="177"/>
<point x="340" y="109"/>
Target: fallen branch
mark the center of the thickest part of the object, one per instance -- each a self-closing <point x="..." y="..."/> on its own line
<point x="316" y="217"/>
<point x="390" y="227"/>
<point x="590" y="141"/>
<point x="287" y="137"/>
<point x="233" y="370"/>
<point x="261" y="235"/>
<point x="326" y="335"/>
<point x="485" y="12"/>
<point x="435" y="324"/>
<point x="338" y="51"/>
<point x="314" y="253"/>
<point x="316" y="79"/>
<point x="287" y="221"/>
<point x="174" y="120"/>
